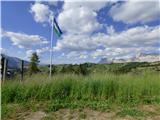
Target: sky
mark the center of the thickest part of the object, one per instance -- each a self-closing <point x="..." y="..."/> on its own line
<point x="92" y="30"/>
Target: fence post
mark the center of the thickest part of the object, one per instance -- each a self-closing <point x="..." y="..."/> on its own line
<point x="22" y="69"/>
<point x="4" y="69"/>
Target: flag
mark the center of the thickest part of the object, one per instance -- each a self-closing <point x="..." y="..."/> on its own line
<point x="56" y="28"/>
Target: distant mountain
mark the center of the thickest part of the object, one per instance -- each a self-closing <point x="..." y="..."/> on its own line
<point x="105" y="60"/>
<point x="14" y="62"/>
<point x="147" y="58"/>
<point x="138" y="58"/>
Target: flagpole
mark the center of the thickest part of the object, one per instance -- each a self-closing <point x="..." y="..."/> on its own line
<point x="51" y="48"/>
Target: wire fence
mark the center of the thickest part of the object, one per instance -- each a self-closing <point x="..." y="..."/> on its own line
<point x="8" y="68"/>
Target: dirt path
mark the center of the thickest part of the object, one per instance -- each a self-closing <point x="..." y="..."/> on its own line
<point x="86" y="114"/>
<point x="141" y="112"/>
<point x="67" y="114"/>
<point x="36" y="116"/>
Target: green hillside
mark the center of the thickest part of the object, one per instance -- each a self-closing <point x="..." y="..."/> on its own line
<point x="105" y="68"/>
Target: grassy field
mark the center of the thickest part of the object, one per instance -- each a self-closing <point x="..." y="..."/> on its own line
<point x="116" y="88"/>
<point x="95" y="91"/>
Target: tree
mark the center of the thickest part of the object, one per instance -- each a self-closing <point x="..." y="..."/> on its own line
<point x="83" y="69"/>
<point x="67" y="69"/>
<point x="54" y="69"/>
<point x="33" y="68"/>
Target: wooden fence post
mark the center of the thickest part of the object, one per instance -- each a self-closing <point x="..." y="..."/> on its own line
<point x="4" y="69"/>
<point x="22" y="69"/>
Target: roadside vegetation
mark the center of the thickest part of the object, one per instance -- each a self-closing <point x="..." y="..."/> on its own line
<point x="94" y="91"/>
<point x="114" y="88"/>
<point x="104" y="87"/>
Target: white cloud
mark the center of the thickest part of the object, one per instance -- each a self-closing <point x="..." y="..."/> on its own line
<point x="76" y="43"/>
<point x="136" y="11"/>
<point x="92" y="5"/>
<point x="126" y="52"/>
<point x="42" y="50"/>
<point x="137" y="36"/>
<point x="29" y="53"/>
<point x="77" y="55"/>
<point x="23" y="40"/>
<point x="79" y="21"/>
<point x="39" y="51"/>
<point x="128" y="42"/>
<point x="80" y="17"/>
<point x="3" y="50"/>
<point x="41" y="12"/>
<point x="110" y="29"/>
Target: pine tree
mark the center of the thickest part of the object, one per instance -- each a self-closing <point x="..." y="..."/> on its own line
<point x="33" y="68"/>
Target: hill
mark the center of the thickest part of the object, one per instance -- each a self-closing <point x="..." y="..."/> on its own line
<point x="14" y="62"/>
<point x="90" y="68"/>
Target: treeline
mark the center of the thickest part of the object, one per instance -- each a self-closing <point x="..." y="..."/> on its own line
<point x="87" y="68"/>
<point x="81" y="69"/>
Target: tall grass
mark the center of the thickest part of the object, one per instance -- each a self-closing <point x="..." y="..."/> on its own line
<point x="97" y="87"/>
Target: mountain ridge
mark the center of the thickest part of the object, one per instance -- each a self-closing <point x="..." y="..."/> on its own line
<point x="14" y="62"/>
<point x="141" y="57"/>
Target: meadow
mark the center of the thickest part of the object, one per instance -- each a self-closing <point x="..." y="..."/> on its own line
<point x="98" y="91"/>
<point x="115" y="88"/>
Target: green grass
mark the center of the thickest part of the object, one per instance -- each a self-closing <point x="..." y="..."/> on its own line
<point x="133" y="112"/>
<point x="96" y="91"/>
<point x="116" y="88"/>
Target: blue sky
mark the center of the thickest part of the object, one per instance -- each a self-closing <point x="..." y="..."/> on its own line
<point x="91" y="30"/>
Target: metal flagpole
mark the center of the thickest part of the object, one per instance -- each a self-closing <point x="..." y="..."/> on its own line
<point x="51" y="47"/>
